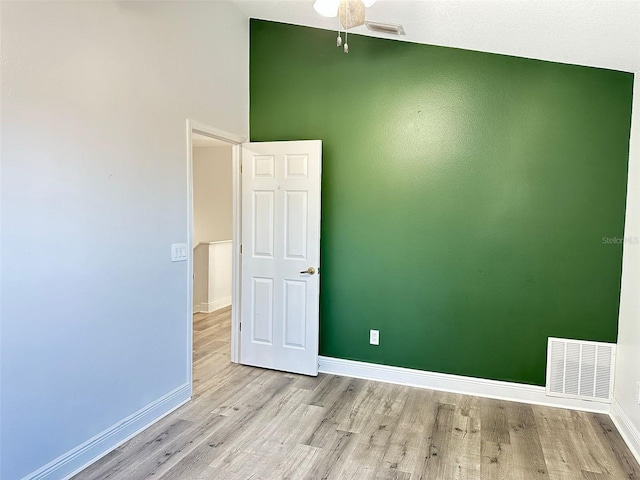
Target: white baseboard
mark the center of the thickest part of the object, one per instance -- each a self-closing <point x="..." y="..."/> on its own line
<point x="75" y="460"/>
<point x="627" y="429"/>
<point x="213" y="306"/>
<point x="514" y="392"/>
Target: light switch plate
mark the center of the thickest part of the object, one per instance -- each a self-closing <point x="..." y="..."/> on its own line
<point x="179" y="252"/>
<point x="374" y="337"/>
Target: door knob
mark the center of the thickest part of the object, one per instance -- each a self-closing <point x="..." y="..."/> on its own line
<point x="309" y="270"/>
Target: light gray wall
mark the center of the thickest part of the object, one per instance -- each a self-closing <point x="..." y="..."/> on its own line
<point x="212" y="194"/>
<point x="94" y="315"/>
<point x="628" y="351"/>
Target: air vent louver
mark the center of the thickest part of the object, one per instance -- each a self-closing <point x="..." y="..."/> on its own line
<point x="578" y="369"/>
<point x="391" y="28"/>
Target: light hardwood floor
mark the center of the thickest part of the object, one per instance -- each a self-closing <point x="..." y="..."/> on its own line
<point x="249" y="423"/>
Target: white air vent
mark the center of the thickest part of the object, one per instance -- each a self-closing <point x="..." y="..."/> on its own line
<point x="391" y="28"/>
<point x="577" y="369"/>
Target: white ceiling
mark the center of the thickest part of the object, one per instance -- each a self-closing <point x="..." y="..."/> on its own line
<point x="598" y="33"/>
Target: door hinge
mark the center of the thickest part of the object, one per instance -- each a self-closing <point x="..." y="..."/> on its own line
<point x="241" y="168"/>
<point x="240" y="249"/>
<point x="240" y="326"/>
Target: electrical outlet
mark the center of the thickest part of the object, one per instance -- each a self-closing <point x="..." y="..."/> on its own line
<point x="638" y="393"/>
<point x="374" y="337"/>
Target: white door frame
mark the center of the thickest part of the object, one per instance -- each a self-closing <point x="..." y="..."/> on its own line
<point x="235" y="141"/>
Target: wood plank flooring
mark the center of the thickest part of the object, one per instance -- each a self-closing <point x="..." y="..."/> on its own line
<point x="249" y="423"/>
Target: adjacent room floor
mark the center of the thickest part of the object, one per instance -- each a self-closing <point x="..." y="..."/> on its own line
<point x="249" y="423"/>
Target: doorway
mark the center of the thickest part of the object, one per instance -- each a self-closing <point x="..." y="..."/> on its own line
<point x="212" y="224"/>
<point x="214" y="236"/>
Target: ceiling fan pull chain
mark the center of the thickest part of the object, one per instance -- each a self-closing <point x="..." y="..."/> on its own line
<point x="339" y="39"/>
<point x="346" y="27"/>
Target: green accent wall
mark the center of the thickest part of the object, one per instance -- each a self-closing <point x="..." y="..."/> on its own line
<point x="467" y="197"/>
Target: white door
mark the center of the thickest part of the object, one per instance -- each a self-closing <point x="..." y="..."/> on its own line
<point x="281" y="255"/>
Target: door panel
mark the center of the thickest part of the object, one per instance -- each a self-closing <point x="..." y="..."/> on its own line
<point x="262" y="311"/>
<point x="281" y="255"/>
<point x="295" y="232"/>
<point x="294" y="313"/>
<point x="263" y="223"/>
